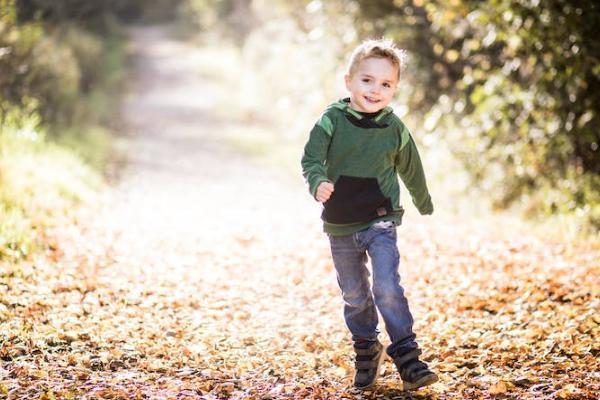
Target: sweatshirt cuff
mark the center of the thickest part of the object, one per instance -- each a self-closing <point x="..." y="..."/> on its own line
<point x="426" y="207"/>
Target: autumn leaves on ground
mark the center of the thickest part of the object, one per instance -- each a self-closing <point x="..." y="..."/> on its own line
<point x="203" y="274"/>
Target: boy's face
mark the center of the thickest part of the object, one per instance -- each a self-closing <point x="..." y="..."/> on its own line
<point x="372" y="85"/>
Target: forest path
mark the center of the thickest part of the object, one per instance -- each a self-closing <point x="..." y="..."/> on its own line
<point x="207" y="276"/>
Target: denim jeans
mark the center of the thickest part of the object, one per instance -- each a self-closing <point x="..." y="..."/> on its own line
<point x="350" y="260"/>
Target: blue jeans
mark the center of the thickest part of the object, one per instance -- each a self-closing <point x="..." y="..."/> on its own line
<point x="350" y="259"/>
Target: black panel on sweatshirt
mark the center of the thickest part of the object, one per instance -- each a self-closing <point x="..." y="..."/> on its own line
<point x="367" y="120"/>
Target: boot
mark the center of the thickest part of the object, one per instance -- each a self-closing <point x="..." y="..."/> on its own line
<point x="367" y="365"/>
<point x="414" y="373"/>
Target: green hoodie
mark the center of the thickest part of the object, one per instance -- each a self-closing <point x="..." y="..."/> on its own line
<point x="363" y="158"/>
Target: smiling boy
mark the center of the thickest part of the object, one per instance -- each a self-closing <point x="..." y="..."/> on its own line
<point x="351" y="162"/>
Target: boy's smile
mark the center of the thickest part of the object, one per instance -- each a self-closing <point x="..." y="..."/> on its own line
<point x="372" y="85"/>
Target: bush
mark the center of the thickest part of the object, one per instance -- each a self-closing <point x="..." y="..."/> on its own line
<point x="40" y="183"/>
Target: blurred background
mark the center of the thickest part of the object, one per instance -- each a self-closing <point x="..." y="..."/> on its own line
<point x="503" y="96"/>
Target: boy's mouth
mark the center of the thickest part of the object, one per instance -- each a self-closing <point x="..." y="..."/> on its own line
<point x="371" y="100"/>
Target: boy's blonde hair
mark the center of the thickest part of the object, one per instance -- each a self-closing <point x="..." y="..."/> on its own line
<point x="377" y="48"/>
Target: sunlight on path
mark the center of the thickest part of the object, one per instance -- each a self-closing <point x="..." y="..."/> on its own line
<point x="189" y="209"/>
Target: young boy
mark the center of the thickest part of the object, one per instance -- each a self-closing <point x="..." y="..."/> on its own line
<point x="351" y="163"/>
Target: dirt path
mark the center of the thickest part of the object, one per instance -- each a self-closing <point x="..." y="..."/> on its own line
<point x="206" y="277"/>
<point x="184" y="181"/>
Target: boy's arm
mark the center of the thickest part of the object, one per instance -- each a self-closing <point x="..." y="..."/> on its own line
<point x="411" y="172"/>
<point x="315" y="154"/>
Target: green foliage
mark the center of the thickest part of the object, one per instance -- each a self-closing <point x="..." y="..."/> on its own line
<point x="96" y="15"/>
<point x="40" y="183"/>
<point x="55" y="68"/>
<point x="232" y="18"/>
<point x="67" y="75"/>
<point x="59" y="78"/>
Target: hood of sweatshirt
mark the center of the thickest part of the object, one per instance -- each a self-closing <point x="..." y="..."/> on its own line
<point x="344" y="105"/>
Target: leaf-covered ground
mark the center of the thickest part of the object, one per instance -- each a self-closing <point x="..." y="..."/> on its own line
<point x="204" y="275"/>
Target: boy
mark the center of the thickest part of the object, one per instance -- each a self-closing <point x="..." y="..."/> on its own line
<point x="351" y="163"/>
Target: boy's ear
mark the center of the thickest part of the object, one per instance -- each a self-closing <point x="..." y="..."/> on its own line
<point x="347" y="80"/>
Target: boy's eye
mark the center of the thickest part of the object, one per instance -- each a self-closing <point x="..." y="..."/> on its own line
<point x="387" y="85"/>
<point x="366" y="80"/>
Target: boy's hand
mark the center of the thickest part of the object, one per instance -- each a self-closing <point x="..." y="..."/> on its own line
<point x="324" y="191"/>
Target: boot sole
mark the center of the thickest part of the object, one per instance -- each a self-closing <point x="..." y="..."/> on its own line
<point x="370" y="385"/>
<point x="424" y="381"/>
